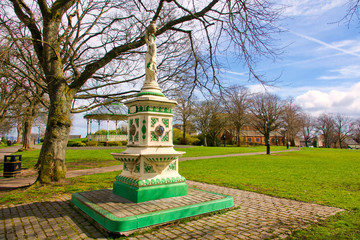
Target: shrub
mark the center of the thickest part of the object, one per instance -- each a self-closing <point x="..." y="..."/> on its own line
<point x="189" y="140"/>
<point x="111" y="132"/>
<point x="124" y="143"/>
<point x="91" y="143"/>
<point x="114" y="143"/>
<point x="76" y="144"/>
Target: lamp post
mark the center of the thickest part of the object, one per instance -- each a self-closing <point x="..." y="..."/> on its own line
<point x="267" y="140"/>
<point x="224" y="138"/>
<point x="287" y="140"/>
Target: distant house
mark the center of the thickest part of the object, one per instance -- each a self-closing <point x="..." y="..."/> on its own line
<point x="351" y="143"/>
<point x="250" y="136"/>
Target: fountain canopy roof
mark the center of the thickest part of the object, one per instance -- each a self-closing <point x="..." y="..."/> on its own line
<point x="113" y="111"/>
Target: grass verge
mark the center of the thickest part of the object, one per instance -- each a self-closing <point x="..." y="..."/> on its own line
<point x="324" y="176"/>
<point x="75" y="158"/>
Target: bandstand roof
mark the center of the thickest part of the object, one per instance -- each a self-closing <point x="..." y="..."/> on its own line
<point x="114" y="111"/>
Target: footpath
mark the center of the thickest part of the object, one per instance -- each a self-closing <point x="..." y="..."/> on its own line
<point x="256" y="216"/>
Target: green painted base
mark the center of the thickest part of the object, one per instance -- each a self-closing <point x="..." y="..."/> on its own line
<point x="116" y="215"/>
<point x="143" y="194"/>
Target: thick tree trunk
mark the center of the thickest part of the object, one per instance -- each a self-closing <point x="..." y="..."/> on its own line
<point x="238" y="137"/>
<point x="19" y="129"/>
<point x="27" y="126"/>
<point x="51" y="163"/>
<point x="27" y="144"/>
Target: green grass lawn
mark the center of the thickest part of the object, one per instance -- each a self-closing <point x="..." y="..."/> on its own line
<point x="75" y="158"/>
<point x="71" y="185"/>
<point x="324" y="176"/>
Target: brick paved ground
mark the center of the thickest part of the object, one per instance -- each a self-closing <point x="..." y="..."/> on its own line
<point x="259" y="217"/>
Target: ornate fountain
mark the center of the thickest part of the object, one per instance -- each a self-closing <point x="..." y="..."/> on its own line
<point x="150" y="162"/>
<point x="150" y="168"/>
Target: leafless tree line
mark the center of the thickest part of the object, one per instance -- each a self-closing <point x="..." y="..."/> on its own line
<point x="265" y="113"/>
<point x="79" y="54"/>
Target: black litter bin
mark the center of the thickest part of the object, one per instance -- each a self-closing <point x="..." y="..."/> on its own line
<point x="9" y="143"/>
<point x="12" y="165"/>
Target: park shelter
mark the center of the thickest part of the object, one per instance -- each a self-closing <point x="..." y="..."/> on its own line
<point x="115" y="112"/>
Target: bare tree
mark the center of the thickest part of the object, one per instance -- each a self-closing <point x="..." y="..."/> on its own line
<point x="266" y="111"/>
<point x="291" y="120"/>
<point x="236" y="106"/>
<point x="342" y="128"/>
<point x="10" y="90"/>
<point x="23" y="69"/>
<point x="184" y="111"/>
<point x="325" y="126"/>
<point x="307" y="127"/>
<point x="83" y="46"/>
<point x="209" y="120"/>
<point x="353" y="7"/>
<point x="355" y="133"/>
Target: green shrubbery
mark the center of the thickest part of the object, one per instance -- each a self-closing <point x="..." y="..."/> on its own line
<point x="114" y="143"/>
<point x="111" y="132"/>
<point x="92" y="143"/>
<point x="189" y="140"/>
<point x="84" y="143"/>
<point x="76" y="144"/>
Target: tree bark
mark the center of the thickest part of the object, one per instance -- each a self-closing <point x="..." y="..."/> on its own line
<point x="28" y="123"/>
<point x="19" y="129"/>
<point x="51" y="163"/>
<point x="238" y="137"/>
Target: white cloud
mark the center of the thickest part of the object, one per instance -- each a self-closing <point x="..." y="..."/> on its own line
<point x="258" y="88"/>
<point x="344" y="101"/>
<point x="234" y="73"/>
<point x="348" y="72"/>
<point x="349" y="44"/>
<point x="309" y="7"/>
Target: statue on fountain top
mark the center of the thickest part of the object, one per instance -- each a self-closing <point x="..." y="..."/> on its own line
<point x="150" y="57"/>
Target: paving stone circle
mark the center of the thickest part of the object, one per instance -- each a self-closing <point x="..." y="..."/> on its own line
<point x="259" y="217"/>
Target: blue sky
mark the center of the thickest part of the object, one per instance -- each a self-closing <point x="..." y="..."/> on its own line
<point x="320" y="63"/>
<point x="319" y="66"/>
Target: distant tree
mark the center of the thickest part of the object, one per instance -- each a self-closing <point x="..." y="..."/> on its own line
<point x="326" y="127"/>
<point x="266" y="109"/>
<point x="342" y="128"/>
<point x="184" y="111"/>
<point x="307" y="127"/>
<point x="209" y="120"/>
<point x="291" y="119"/>
<point x="355" y="132"/>
<point x="5" y="127"/>
<point x="23" y="68"/>
<point x="10" y="89"/>
<point x="236" y="106"/>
